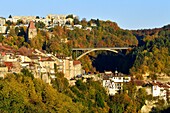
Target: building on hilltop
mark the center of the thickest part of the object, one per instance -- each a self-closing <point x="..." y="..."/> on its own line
<point x="25" y="19"/>
<point x="2" y="23"/>
<point x="32" y="31"/>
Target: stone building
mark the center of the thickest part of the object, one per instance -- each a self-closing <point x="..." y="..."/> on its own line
<point x="32" y="31"/>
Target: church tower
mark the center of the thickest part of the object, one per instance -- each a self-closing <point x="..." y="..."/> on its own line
<point x="32" y="31"/>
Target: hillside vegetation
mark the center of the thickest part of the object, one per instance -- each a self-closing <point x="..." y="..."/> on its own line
<point x="24" y="93"/>
<point x="149" y="55"/>
<point x="153" y="55"/>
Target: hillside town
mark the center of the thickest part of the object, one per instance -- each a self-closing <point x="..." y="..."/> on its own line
<point x="44" y="65"/>
<point x="50" y="21"/>
<point x="39" y="62"/>
<point x="113" y="82"/>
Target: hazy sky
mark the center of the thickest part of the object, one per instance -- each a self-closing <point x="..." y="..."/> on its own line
<point x="129" y="14"/>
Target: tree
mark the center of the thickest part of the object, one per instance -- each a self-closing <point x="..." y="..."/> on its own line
<point x="19" y="93"/>
<point x="140" y="98"/>
<point x="98" y="22"/>
<point x="37" y="17"/>
<point x="26" y="72"/>
<point x="19" y="22"/>
<point x="1" y="37"/>
<point x="39" y="24"/>
<point x="84" y="22"/>
<point x="10" y="16"/>
<point x="76" y="21"/>
<point x="12" y="32"/>
<point x="68" y="22"/>
<point x="60" y="83"/>
<point x="38" y="41"/>
<point x="69" y="16"/>
<point x="81" y="85"/>
<point x="16" y="30"/>
<point x="99" y="100"/>
<point x="8" y="22"/>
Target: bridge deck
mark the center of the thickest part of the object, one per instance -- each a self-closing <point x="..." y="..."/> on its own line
<point x="102" y="48"/>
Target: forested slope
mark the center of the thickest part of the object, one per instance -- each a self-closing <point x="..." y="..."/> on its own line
<point x="153" y="54"/>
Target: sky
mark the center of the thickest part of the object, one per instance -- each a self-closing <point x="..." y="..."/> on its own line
<point x="128" y="14"/>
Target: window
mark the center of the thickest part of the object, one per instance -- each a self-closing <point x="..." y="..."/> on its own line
<point x="155" y="87"/>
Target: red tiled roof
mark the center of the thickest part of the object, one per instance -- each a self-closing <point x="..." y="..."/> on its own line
<point x="43" y="58"/>
<point x="34" y="57"/>
<point x="76" y="62"/>
<point x="139" y="82"/>
<point x="156" y="83"/>
<point x="163" y="85"/>
<point x="46" y="59"/>
<point x="50" y="59"/>
<point x="31" y="63"/>
<point x="6" y="48"/>
<point x="25" y="51"/>
<point x="31" y="25"/>
<point x="9" y="65"/>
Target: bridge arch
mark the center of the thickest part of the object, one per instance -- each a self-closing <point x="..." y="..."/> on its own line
<point x="96" y="49"/>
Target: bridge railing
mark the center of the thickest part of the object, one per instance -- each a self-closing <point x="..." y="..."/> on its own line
<point x="102" y="48"/>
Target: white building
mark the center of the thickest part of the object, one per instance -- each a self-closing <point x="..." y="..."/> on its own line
<point x="78" y="26"/>
<point x="2" y="23"/>
<point x="68" y="68"/>
<point x="114" y="82"/>
<point x="57" y="19"/>
<point x="160" y="90"/>
<point x="10" y="57"/>
<point x="3" y="71"/>
<point x="25" y="19"/>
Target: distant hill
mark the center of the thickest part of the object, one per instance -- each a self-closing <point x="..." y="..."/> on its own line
<point x="153" y="53"/>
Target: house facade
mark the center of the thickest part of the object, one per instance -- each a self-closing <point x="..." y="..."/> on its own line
<point x="160" y="90"/>
<point x="43" y="65"/>
<point x="77" y="68"/>
<point x="3" y="70"/>
<point x="113" y="82"/>
<point x="2" y="23"/>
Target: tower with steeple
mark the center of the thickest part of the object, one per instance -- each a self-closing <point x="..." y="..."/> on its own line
<point x="32" y="31"/>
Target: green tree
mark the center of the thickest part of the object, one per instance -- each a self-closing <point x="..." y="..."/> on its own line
<point x="99" y="100"/>
<point x="141" y="97"/>
<point x="39" y="25"/>
<point x="19" y="22"/>
<point x="60" y="83"/>
<point x="69" y="16"/>
<point x="10" y="16"/>
<point x="81" y="85"/>
<point x="37" y="17"/>
<point x="26" y="72"/>
<point x="76" y="21"/>
<point x="1" y="37"/>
